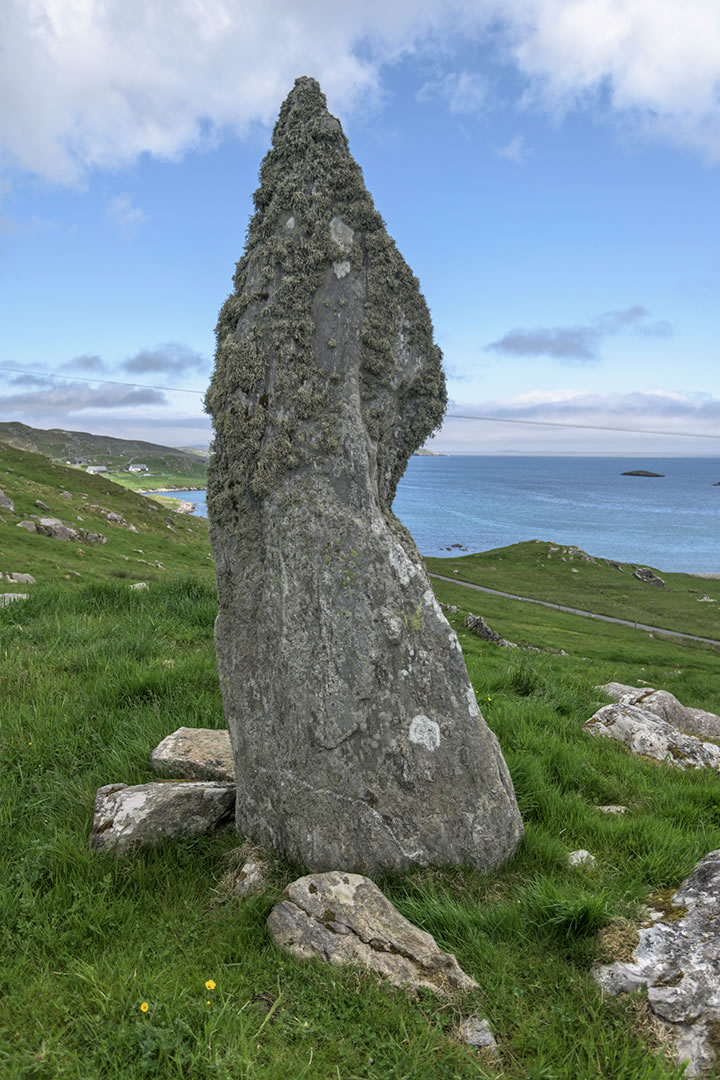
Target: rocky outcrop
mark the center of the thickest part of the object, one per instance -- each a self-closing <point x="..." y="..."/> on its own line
<point x="19" y="579"/>
<point x="480" y="628"/>
<point x="678" y="960"/>
<point x="58" y="530"/>
<point x="648" y="576"/>
<point x="357" y="739"/>
<point x="6" y="502"/>
<point x="642" y="472"/>
<point x="665" y="705"/>
<point x="345" y="919"/>
<point x="128" y="818"/>
<point x="195" y="754"/>
<point x="645" y="733"/>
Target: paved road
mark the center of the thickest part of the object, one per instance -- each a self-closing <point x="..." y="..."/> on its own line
<point x="576" y="611"/>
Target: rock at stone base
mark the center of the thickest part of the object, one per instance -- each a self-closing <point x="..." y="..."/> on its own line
<point x="678" y="960"/>
<point x="195" y="754"/>
<point x="128" y="818"/>
<point x="7" y="598"/>
<point x="345" y="919"/>
<point x="248" y="879"/>
<point x="647" y="576"/>
<point x="6" y="502"/>
<point x="646" y="733"/>
<point x="474" y="1031"/>
<point x="478" y="626"/>
<point x="667" y="707"/>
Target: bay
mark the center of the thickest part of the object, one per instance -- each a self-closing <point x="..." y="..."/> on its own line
<point x="479" y="502"/>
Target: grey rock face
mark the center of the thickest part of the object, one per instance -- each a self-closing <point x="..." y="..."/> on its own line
<point x="678" y="960"/>
<point x="477" y="624"/>
<point x="20" y="579"/>
<point x="195" y="754"/>
<point x="355" y="732"/>
<point x="645" y="733"/>
<point x="666" y="706"/>
<point x="127" y="818"/>
<point x="6" y="502"/>
<point x="648" y="576"/>
<point x="345" y="919"/>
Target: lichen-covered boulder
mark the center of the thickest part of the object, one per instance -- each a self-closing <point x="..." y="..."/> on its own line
<point x="345" y="919"/>
<point x="665" y="705"/>
<point x="646" y="733"/>
<point x="128" y="818"/>
<point x="195" y="754"/>
<point x="357" y="739"/>
<point x="678" y="959"/>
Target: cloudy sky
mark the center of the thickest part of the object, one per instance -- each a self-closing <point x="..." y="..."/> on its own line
<point x="549" y="168"/>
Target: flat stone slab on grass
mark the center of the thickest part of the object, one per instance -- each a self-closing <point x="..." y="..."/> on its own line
<point x="345" y="919"/>
<point x="667" y="706"/>
<point x="645" y="733"/>
<point x="678" y="959"/>
<point x="195" y="754"/>
<point x="7" y="598"/>
<point x="128" y="818"/>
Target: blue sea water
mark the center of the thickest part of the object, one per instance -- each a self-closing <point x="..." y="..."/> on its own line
<point x="672" y="523"/>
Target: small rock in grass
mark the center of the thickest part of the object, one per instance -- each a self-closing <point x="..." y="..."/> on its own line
<point x="21" y="579"/>
<point x="474" y="1031"/>
<point x="195" y="754"/>
<point x="139" y="585"/>
<point x="41" y="505"/>
<point x="127" y="818"/>
<point x="7" y="598"/>
<point x="29" y="525"/>
<point x="666" y="706"/>
<point x="612" y="809"/>
<point x="581" y="857"/>
<point x="6" y="502"/>
<point x="345" y="919"/>
<point x="66" y="495"/>
<point x="248" y="879"/>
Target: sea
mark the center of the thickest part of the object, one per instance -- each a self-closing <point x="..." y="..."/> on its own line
<point x="670" y="522"/>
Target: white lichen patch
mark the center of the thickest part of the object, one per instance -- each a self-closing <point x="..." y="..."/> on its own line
<point x="290" y="223"/>
<point x="342" y="269"/>
<point x="401" y="563"/>
<point x="472" y="703"/>
<point x="454" y="643"/>
<point x="424" y="732"/>
<point x="342" y="234"/>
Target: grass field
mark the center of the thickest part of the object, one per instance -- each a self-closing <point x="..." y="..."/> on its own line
<point x="94" y="675"/>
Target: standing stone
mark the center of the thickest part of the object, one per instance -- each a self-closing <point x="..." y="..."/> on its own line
<point x="357" y="740"/>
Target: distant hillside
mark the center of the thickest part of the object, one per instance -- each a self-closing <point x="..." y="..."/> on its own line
<point x="63" y="446"/>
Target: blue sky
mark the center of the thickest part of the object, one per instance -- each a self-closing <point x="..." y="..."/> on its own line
<point x="548" y="168"/>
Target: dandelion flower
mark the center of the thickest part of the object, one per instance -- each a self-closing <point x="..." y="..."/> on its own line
<point x="489" y="699"/>
<point x="207" y="1002"/>
<point x="210" y="984"/>
<point x="144" y="1007"/>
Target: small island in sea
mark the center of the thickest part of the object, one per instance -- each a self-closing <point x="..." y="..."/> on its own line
<point x="641" y="472"/>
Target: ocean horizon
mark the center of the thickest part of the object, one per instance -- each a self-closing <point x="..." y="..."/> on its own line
<point x="481" y="502"/>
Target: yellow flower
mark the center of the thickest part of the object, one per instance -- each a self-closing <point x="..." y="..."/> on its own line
<point x="207" y="1002"/>
<point x="210" y="985"/>
<point x="144" y="1007"/>
<point x="489" y="699"/>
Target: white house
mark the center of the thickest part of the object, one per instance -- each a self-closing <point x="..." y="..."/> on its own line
<point x="96" y="468"/>
<point x="137" y="468"/>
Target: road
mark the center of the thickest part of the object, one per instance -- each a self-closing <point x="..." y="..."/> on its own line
<point x="577" y="611"/>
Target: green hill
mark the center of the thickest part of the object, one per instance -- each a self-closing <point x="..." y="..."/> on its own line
<point x="115" y="454"/>
<point x="150" y="535"/>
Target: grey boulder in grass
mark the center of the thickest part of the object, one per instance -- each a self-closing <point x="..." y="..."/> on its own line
<point x="345" y="919"/>
<point x="357" y="739"/>
<point x="128" y="818"/>
<point x="644" y="732"/>
<point x="678" y="960"/>
<point x="666" y="706"/>
<point x="195" y="754"/>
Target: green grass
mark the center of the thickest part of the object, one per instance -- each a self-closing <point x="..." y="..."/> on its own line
<point x="179" y="542"/>
<point x="157" y="479"/>
<point x="94" y="675"/>
<point x="526" y="570"/>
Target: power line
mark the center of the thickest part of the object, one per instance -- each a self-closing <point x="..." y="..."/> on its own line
<point x="105" y="382"/>
<point x="449" y="416"/>
<point x="586" y="427"/>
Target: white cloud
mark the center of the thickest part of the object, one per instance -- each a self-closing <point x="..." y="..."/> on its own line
<point x="124" y="213"/>
<point x="96" y="83"/>
<point x="516" y="150"/>
<point x="464" y="91"/>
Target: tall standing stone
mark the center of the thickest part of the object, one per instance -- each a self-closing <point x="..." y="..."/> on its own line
<point x="357" y="740"/>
